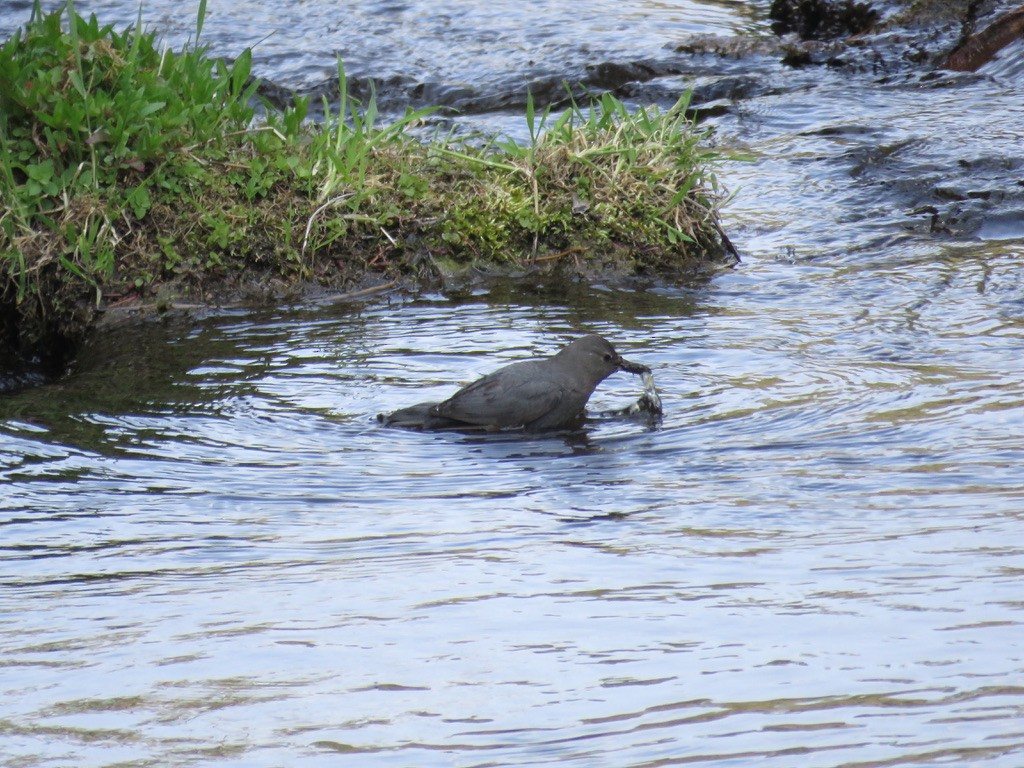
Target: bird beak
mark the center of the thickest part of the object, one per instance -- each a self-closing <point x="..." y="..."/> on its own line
<point x="630" y="367"/>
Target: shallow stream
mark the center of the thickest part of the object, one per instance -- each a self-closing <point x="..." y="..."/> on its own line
<point x="212" y="555"/>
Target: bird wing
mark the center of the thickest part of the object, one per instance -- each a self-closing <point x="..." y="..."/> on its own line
<point x="492" y="401"/>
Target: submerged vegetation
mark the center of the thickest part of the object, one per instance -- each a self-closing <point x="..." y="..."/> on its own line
<point x="134" y="172"/>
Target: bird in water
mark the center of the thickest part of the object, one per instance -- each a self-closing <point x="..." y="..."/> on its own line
<point x="539" y="394"/>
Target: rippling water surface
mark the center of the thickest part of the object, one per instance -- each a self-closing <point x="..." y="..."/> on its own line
<point x="212" y="554"/>
<point x="297" y="42"/>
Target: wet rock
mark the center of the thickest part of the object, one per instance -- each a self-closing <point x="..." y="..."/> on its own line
<point x="822" y="19"/>
<point x="979" y="48"/>
<point x="611" y="75"/>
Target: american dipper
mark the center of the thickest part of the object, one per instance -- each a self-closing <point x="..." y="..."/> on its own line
<point x="545" y="393"/>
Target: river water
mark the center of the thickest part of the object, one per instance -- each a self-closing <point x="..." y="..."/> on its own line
<point x="213" y="555"/>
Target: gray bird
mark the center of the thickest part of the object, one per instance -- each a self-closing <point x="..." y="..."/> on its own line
<point x="545" y="393"/>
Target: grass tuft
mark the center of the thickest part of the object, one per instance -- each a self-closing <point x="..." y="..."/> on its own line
<point x="133" y="171"/>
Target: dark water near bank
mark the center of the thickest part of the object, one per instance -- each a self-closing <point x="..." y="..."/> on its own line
<point x="212" y="555"/>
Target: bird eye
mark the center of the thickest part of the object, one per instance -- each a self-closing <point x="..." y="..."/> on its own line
<point x="607" y="357"/>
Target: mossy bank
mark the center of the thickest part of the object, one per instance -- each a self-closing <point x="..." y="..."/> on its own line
<point x="135" y="174"/>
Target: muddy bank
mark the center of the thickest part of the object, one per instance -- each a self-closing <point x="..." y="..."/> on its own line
<point x="143" y="176"/>
<point x="896" y="43"/>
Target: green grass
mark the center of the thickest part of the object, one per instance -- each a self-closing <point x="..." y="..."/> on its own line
<point x="644" y="171"/>
<point x="89" y="119"/>
<point x="133" y="171"/>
